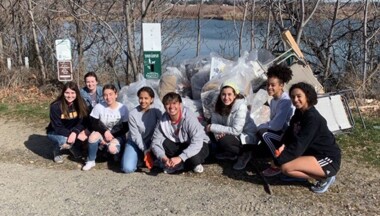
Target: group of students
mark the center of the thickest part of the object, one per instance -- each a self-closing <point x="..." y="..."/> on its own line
<point x="296" y="137"/>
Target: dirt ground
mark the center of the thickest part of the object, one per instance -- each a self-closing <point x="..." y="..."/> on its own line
<point x="31" y="184"/>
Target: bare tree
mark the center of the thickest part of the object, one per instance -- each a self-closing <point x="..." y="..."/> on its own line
<point x="35" y="40"/>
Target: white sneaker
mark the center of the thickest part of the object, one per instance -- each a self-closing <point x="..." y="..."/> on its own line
<point x="198" y="169"/>
<point x="88" y="166"/>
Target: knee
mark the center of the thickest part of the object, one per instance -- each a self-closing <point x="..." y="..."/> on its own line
<point x="285" y="169"/>
<point x="128" y="167"/>
<point x="94" y="137"/>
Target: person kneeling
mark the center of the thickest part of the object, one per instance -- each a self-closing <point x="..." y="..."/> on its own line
<point x="310" y="150"/>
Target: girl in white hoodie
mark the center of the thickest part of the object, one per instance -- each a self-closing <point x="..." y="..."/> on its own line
<point x="232" y="126"/>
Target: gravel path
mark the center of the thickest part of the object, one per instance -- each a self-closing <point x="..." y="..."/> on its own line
<point x="31" y="184"/>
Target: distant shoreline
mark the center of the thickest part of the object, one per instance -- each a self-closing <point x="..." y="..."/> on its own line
<point x="228" y="12"/>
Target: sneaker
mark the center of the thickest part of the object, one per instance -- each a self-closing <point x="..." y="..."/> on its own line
<point x="88" y="166"/>
<point x="173" y="170"/>
<point x="198" y="169"/>
<point x="271" y="171"/>
<point x="58" y="157"/>
<point x="322" y="185"/>
<point x="242" y="161"/>
<point x="225" y="156"/>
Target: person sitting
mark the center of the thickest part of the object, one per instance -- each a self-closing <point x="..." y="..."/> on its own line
<point x="142" y="121"/>
<point x="66" y="121"/>
<point x="110" y="123"/>
<point x="281" y="110"/>
<point x="309" y="149"/>
<point x="179" y="140"/>
<point x="232" y="127"/>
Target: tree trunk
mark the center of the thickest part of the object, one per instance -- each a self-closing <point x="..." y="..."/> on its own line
<point x="329" y="45"/>
<point x="36" y="46"/>
<point x="242" y="28"/>
<point x="365" y="45"/>
<point x="128" y="16"/>
<point x="199" y="29"/>
<point x="253" y="5"/>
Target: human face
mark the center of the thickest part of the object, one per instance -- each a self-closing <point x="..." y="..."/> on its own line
<point x="145" y="100"/>
<point x="173" y="108"/>
<point x="70" y="95"/>
<point x="91" y="83"/>
<point x="299" y="99"/>
<point x="110" y="96"/>
<point x="275" y="87"/>
<point x="228" y="96"/>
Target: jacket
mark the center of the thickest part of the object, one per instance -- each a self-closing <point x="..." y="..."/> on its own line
<point x="190" y="131"/>
<point x="237" y="123"/>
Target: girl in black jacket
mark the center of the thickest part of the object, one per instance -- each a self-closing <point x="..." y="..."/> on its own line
<point x="309" y="149"/>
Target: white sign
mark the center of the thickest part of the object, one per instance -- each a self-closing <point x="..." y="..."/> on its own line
<point x="63" y="49"/>
<point x="152" y="36"/>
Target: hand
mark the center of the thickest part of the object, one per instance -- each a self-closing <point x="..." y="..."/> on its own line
<point x="165" y="160"/>
<point x="279" y="150"/>
<point x="173" y="162"/>
<point x="219" y="136"/>
<point x="108" y="136"/>
<point x="71" y="139"/>
<point x="208" y="128"/>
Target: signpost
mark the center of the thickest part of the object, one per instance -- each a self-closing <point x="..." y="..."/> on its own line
<point x="152" y="50"/>
<point x="64" y="65"/>
<point x="65" y="70"/>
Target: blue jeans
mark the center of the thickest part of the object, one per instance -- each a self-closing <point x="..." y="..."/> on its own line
<point x="93" y="147"/>
<point x="132" y="154"/>
<point x="57" y="139"/>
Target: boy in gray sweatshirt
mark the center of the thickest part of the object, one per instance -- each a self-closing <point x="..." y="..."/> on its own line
<point x="179" y="141"/>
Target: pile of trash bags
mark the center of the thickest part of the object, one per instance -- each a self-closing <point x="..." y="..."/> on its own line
<point x="198" y="81"/>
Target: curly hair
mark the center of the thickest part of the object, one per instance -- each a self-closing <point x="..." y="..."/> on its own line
<point x="283" y="73"/>
<point x="310" y="93"/>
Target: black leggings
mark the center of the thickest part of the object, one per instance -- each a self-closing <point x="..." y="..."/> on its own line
<point x="230" y="144"/>
<point x="173" y="149"/>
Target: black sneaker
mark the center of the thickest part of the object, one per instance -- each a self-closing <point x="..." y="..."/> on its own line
<point x="322" y="185"/>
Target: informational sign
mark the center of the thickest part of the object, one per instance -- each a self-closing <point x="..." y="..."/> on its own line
<point x="65" y="70"/>
<point x="63" y="49"/>
<point x="152" y="64"/>
<point x="152" y="50"/>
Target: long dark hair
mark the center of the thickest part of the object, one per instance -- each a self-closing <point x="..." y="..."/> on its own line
<point x="79" y="104"/>
<point x="220" y="107"/>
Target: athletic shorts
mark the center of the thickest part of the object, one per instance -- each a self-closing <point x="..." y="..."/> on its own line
<point x="329" y="166"/>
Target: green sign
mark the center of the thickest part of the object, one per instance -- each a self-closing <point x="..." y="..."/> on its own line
<point x="152" y="64"/>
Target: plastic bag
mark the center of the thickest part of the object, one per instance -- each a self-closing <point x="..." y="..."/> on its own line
<point x="173" y="80"/>
<point x="128" y="94"/>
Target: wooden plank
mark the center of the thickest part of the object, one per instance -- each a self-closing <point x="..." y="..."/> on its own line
<point x="288" y="38"/>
